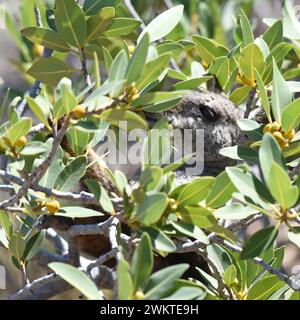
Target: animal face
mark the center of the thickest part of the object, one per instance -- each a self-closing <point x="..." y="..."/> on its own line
<point x="217" y="116"/>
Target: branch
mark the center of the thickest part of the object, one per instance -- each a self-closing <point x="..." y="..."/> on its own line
<point x="249" y="103"/>
<point x="90" y="229"/>
<point x="113" y="233"/>
<point x="39" y="171"/>
<point x="196" y="245"/>
<point x="84" y="69"/>
<point x="60" y="244"/>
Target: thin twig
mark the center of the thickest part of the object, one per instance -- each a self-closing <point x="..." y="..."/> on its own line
<point x="60" y="244"/>
<point x="249" y="103"/>
<point x="90" y="229"/>
<point x="84" y="69"/>
<point x="113" y="234"/>
<point x="39" y="172"/>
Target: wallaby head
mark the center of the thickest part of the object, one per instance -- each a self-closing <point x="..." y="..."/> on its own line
<point x="216" y="115"/>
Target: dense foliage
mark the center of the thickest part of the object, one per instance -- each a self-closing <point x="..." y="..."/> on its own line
<point x="101" y="66"/>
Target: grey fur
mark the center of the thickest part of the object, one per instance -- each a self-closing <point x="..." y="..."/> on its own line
<point x="219" y="131"/>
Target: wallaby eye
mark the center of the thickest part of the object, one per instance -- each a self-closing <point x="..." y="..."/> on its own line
<point x="208" y="114"/>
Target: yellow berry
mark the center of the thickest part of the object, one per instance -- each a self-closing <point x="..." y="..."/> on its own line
<point x="275" y="126"/>
<point x="79" y="112"/>
<point x="21" y="142"/>
<point x="278" y="136"/>
<point x="38" y="50"/>
<point x="52" y="206"/>
<point x="139" y="295"/>
<point x="135" y="96"/>
<point x="268" y="128"/>
<point x="131" y="49"/>
<point x="290" y="134"/>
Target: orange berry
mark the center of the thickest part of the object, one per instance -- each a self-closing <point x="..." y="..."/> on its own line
<point x="52" y="206"/>
<point x="21" y="142"/>
<point x="79" y="112"/>
<point x="290" y="134"/>
<point x="131" y="49"/>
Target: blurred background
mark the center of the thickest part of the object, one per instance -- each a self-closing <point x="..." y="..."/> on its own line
<point x="210" y="18"/>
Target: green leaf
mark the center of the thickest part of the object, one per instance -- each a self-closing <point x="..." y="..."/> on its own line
<point x="78" y="212"/>
<point x="172" y="48"/>
<point x="191" y="84"/>
<point x="142" y="262"/>
<point x="101" y="195"/>
<point x="68" y="98"/>
<point x="138" y="60"/>
<point x="6" y="224"/>
<point x="221" y="191"/>
<point x="125" y="283"/>
<point x="47" y="38"/>
<point x="235" y="211"/>
<point x="162" y="282"/>
<point x="163" y="24"/>
<point x="291" y="115"/>
<point x="153" y="70"/>
<point x="281" y="95"/>
<point x="198" y="216"/>
<point x="270" y="152"/>
<point x="92" y="7"/>
<point x="251" y="58"/>
<point x="263" y="94"/>
<point x="190" y="230"/>
<point x="77" y="279"/>
<point x="50" y="70"/>
<point x="151" y="98"/>
<point x="33" y="148"/>
<point x="278" y="53"/>
<point x="34" y="245"/>
<point x="195" y="191"/>
<point x="151" y="209"/>
<point x="98" y="24"/>
<point x="121" y="27"/>
<point x="70" y="22"/>
<point x="247" y="33"/>
<point x="17" y="246"/>
<point x="259" y="243"/>
<point x="19" y="129"/>
<point x="150" y="178"/>
<point x="160" y="240"/>
<point x="188" y="292"/>
<point x="274" y="34"/>
<point x="239" y="95"/>
<point x="119" y="116"/>
<point x="39" y="111"/>
<point x="71" y="174"/>
<point x="230" y="275"/>
<point x="281" y="188"/>
<point x="247" y="185"/>
<point x="208" y="49"/>
<point x="117" y="71"/>
<point x="264" y="288"/>
<point x="79" y="139"/>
